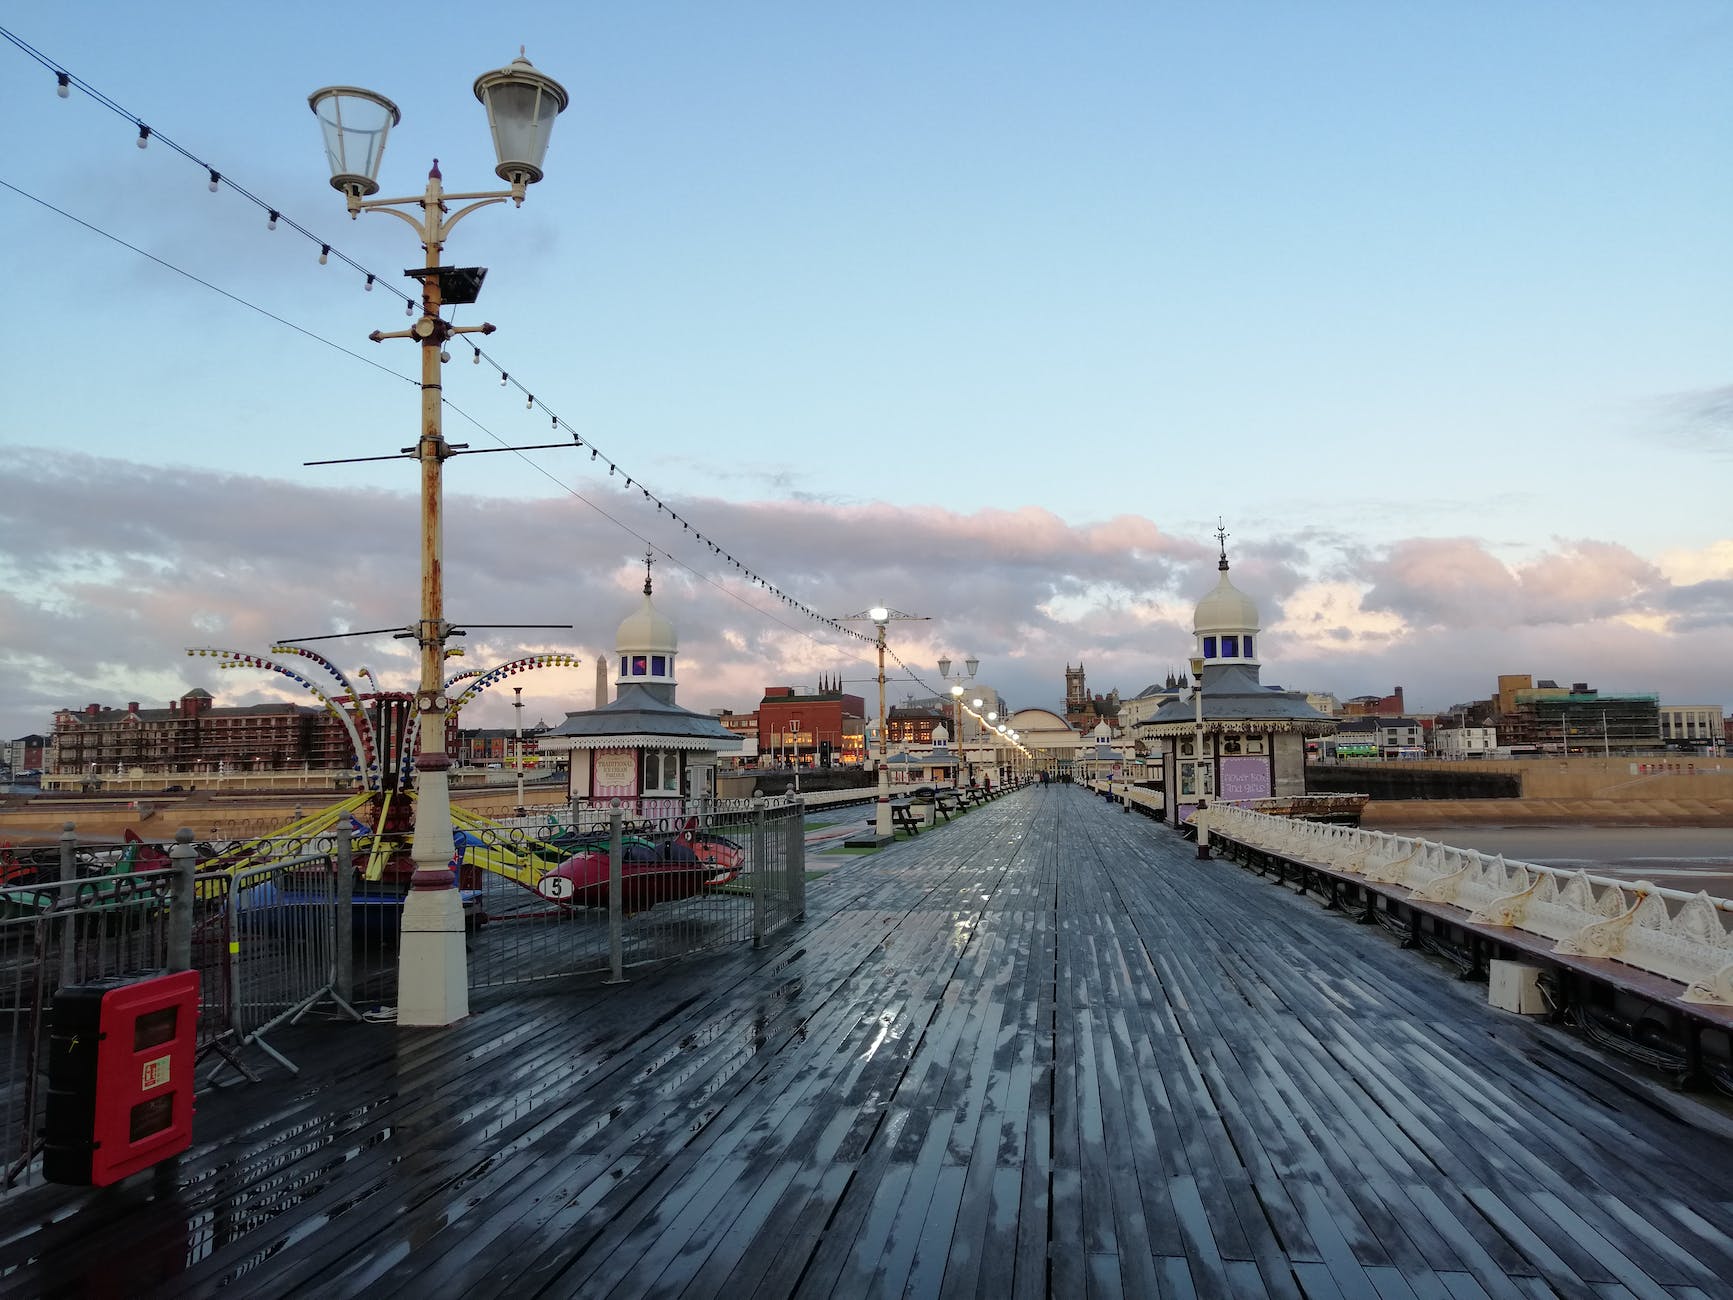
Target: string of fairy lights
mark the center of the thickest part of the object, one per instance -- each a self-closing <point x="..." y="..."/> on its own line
<point x="217" y="179"/>
<point x="66" y="81"/>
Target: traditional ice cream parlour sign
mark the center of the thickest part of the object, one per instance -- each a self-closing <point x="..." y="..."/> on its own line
<point x="616" y="767"/>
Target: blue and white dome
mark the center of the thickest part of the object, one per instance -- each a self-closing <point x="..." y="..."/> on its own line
<point x="1225" y="623"/>
<point x="646" y="644"/>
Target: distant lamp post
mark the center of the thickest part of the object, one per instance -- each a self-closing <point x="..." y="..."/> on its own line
<point x="882" y="821"/>
<point x="521" y="105"/>
<point x="960" y="681"/>
<point x="517" y="703"/>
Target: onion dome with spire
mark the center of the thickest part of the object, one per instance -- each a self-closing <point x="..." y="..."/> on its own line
<point x="642" y="723"/>
<point x="646" y="644"/>
<point x="1225" y="622"/>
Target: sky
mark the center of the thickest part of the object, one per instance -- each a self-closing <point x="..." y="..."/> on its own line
<point x="986" y="313"/>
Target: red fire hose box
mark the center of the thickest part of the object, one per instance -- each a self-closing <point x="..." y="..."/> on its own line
<point x="120" y="1076"/>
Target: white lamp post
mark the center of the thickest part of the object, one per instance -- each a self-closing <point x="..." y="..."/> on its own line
<point x="1198" y="769"/>
<point x="521" y="104"/>
<point x="882" y="824"/>
<point x="959" y="681"/>
<point x="517" y="703"/>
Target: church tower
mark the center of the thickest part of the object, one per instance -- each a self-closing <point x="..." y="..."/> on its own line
<point x="1076" y="694"/>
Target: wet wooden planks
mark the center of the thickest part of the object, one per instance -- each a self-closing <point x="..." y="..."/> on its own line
<point x="1039" y="1051"/>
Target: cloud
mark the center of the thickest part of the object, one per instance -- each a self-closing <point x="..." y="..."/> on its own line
<point x="1458" y="582"/>
<point x="110" y="569"/>
<point x="114" y="568"/>
<point x="1683" y="566"/>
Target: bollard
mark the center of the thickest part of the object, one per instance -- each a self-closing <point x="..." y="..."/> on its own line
<point x="616" y="911"/>
<point x="342" y="916"/>
<point x="1202" y="830"/>
<point x="68" y="922"/>
<point x="757" y="870"/>
<point x="185" y="860"/>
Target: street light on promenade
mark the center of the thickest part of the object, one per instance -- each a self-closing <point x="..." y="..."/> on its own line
<point x="521" y="105"/>
<point x="959" y="681"/>
<point x="880" y="616"/>
<point x="1197" y="765"/>
<point x="517" y="703"/>
<point x="882" y="814"/>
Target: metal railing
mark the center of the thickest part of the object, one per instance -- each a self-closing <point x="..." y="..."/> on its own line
<point x="603" y="887"/>
<point x="280" y="932"/>
<point x="75" y="913"/>
<point x="1680" y="936"/>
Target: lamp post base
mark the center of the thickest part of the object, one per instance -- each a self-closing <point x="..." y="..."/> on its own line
<point x="882" y="832"/>
<point x="432" y="967"/>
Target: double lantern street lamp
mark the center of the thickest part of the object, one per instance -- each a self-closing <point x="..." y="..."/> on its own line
<point x="882" y="830"/>
<point x="521" y="105"/>
<point x="959" y="683"/>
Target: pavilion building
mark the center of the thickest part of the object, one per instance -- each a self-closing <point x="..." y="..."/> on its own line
<point x="641" y="747"/>
<point x="1249" y="740"/>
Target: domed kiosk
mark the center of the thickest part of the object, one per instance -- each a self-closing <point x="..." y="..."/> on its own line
<point x="1247" y="740"/>
<point x="641" y="747"/>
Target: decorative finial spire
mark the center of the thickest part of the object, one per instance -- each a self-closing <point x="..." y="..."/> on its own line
<point x="1222" y="536"/>
<point x="649" y="559"/>
<point x="433" y="172"/>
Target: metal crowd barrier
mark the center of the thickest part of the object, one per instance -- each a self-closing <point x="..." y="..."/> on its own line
<point x="290" y="942"/>
<point x="68" y="914"/>
<point x="600" y="887"/>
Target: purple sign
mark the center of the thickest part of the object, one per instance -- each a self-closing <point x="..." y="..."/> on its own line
<point x="1245" y="778"/>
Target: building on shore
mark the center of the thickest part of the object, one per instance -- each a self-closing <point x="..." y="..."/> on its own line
<point x="1693" y="728"/>
<point x="498" y="746"/>
<point x="1248" y="740"/>
<point x="820" y="728"/>
<point x="1465" y="741"/>
<point x="26" y="753"/>
<point x="914" y="724"/>
<point x="1083" y="711"/>
<point x="1374" y="706"/>
<point x="193" y="735"/>
<point x="1055" y="746"/>
<point x="1546" y="718"/>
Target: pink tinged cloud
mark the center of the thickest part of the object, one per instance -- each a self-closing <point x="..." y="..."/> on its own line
<point x="1457" y="582"/>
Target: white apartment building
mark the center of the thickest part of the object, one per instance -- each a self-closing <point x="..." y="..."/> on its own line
<point x="1465" y="742"/>
<point x="1400" y="737"/>
<point x="1692" y="726"/>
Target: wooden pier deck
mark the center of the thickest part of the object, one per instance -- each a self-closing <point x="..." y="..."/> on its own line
<point x="1038" y="1051"/>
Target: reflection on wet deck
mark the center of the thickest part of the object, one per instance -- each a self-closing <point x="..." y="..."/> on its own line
<point x="1039" y="1051"/>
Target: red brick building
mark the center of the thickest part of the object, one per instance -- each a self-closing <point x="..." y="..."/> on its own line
<point x="192" y="735"/>
<point x="806" y="729"/>
<point x="912" y="724"/>
<point x="1374" y="706"/>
